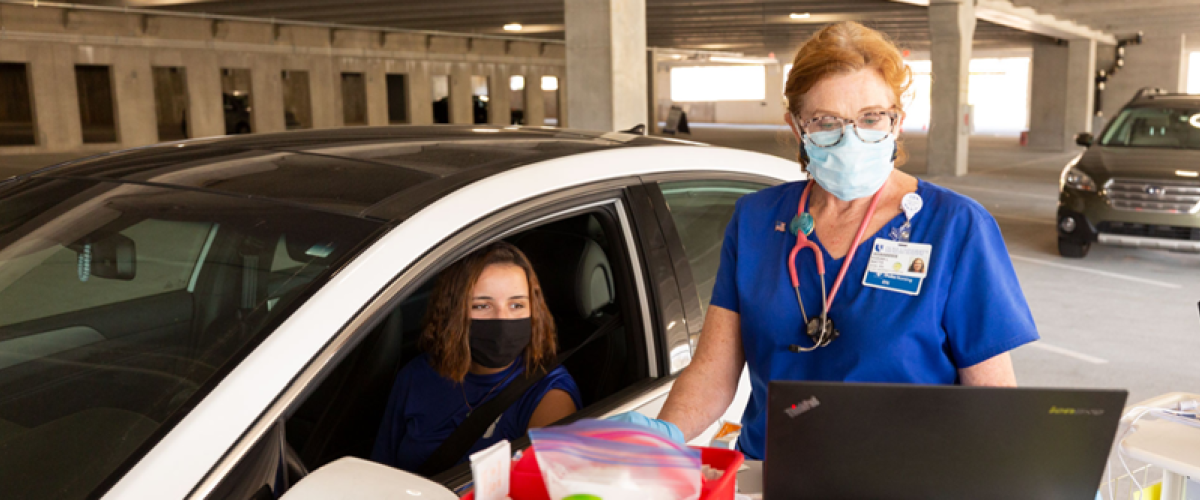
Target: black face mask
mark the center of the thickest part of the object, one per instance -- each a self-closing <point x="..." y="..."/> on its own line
<point x="496" y="343"/>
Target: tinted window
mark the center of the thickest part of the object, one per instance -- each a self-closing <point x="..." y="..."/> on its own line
<point x="121" y="304"/>
<point x="1155" y="127"/>
<point x="701" y="209"/>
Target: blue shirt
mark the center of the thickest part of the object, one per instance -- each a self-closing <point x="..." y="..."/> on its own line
<point x="425" y="408"/>
<point x="970" y="307"/>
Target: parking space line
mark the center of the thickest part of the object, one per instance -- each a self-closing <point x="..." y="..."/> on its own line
<point x="1096" y="272"/>
<point x="1067" y="352"/>
<point x="1003" y="192"/>
<point x="1022" y="218"/>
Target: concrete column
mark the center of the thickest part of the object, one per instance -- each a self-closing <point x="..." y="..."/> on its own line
<point x="206" y="112"/>
<point x="133" y="96"/>
<point x="1158" y="62"/>
<point x="266" y="95"/>
<point x="377" y="98"/>
<point x="951" y="29"/>
<point x="461" y="111"/>
<point x="1062" y="93"/>
<point x="535" y="107"/>
<point x="606" y="63"/>
<point x="499" y="92"/>
<point x="55" y="100"/>
<point x="420" y="94"/>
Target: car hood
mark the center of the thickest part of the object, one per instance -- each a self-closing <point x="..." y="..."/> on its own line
<point x="1142" y="163"/>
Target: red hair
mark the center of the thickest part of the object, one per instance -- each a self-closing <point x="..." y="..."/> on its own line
<point x="843" y="48"/>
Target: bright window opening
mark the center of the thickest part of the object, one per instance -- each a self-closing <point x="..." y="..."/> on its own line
<point x="999" y="90"/>
<point x="1193" y="76"/>
<point x="718" y="83"/>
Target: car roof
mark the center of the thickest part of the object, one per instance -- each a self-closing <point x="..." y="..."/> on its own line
<point x="377" y="172"/>
<point x="1166" y="101"/>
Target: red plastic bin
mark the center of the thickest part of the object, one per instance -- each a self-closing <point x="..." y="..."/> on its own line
<point x="526" y="477"/>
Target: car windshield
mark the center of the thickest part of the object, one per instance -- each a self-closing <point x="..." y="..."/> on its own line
<point x="1155" y="128"/>
<point x="121" y="305"/>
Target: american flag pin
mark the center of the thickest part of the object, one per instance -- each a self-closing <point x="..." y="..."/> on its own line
<point x="781" y="227"/>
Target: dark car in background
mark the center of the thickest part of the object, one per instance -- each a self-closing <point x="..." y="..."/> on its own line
<point x="1138" y="183"/>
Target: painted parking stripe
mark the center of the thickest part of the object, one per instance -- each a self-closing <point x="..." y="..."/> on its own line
<point x="1106" y="274"/>
<point x="1067" y="352"/>
<point x="1022" y="218"/>
<point x="1003" y="192"/>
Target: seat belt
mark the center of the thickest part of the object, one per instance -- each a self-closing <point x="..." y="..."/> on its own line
<point x="472" y="429"/>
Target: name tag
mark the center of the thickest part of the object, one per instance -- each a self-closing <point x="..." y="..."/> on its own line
<point x="897" y="266"/>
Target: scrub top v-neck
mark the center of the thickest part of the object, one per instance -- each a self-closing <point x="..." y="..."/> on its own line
<point x="970" y="307"/>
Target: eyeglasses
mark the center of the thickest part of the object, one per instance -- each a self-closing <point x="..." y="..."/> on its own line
<point x="871" y="127"/>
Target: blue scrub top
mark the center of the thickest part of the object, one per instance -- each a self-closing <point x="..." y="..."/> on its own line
<point x="425" y="408"/>
<point x="970" y="307"/>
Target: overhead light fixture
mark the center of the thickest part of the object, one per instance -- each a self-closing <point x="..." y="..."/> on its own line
<point x="737" y="60"/>
<point x="512" y="27"/>
<point x="795" y="15"/>
<point x="1187" y="173"/>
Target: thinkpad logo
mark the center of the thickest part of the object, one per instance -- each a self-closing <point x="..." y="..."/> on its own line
<point x="802" y="407"/>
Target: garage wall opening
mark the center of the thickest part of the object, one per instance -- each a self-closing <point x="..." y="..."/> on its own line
<point x="718" y="83"/>
<point x="354" y="99"/>
<point x="297" y="100"/>
<point x="550" y="99"/>
<point x="441" y="98"/>
<point x="999" y="91"/>
<point x="237" y="101"/>
<point x="97" y="111"/>
<point x="171" y="103"/>
<point x="1193" y="74"/>
<point x="481" y="105"/>
<point x="397" y="97"/>
<point x="16" y="107"/>
<point x="516" y="99"/>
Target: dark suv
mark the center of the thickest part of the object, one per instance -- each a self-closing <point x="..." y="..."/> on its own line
<point x="1138" y="185"/>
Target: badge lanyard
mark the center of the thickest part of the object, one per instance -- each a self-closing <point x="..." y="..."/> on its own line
<point x="823" y="332"/>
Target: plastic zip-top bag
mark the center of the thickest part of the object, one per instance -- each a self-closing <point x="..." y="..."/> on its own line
<point x="606" y="460"/>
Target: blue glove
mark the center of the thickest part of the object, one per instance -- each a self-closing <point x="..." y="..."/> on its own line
<point x="660" y="427"/>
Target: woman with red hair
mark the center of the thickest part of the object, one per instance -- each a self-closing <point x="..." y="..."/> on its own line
<point x="831" y="298"/>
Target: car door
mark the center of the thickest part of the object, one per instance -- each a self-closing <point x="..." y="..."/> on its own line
<point x="693" y="210"/>
<point x="334" y="407"/>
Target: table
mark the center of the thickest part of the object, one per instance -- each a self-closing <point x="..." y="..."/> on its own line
<point x="749" y="479"/>
<point x="1174" y="447"/>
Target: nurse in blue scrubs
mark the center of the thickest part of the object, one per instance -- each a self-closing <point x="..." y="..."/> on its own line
<point x="820" y="280"/>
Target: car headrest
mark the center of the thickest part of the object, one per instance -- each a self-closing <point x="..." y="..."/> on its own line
<point x="574" y="271"/>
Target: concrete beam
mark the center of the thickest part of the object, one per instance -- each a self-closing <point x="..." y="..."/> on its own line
<point x="1004" y="13"/>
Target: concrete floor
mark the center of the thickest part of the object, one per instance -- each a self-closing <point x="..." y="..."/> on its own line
<point x="1120" y="318"/>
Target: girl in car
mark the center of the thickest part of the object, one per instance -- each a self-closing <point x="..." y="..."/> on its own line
<point x="486" y="326"/>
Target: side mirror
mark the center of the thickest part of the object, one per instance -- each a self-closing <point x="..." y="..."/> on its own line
<point x="1084" y="139"/>
<point x="350" y="477"/>
<point x="112" y="256"/>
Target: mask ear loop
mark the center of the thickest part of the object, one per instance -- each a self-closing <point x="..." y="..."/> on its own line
<point x="800" y="138"/>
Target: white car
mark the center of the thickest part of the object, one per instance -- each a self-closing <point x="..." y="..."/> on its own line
<point x="215" y="318"/>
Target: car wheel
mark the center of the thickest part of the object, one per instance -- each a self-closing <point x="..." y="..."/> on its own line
<point x="1073" y="249"/>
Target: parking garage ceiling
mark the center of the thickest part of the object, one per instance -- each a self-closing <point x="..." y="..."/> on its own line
<point x="754" y="27"/>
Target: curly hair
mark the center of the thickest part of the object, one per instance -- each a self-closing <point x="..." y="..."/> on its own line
<point x="842" y="48"/>
<point x="445" y="337"/>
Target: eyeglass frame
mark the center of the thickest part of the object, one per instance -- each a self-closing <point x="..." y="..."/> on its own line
<point x="895" y="113"/>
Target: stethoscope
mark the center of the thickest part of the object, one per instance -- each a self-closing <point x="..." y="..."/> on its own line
<point x="821" y="330"/>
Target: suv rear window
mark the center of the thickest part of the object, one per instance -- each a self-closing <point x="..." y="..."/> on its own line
<point x="1155" y="128"/>
<point x="120" y="305"/>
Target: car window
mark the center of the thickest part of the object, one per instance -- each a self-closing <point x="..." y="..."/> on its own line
<point x="701" y="209"/>
<point x="1155" y="127"/>
<point x="166" y="251"/>
<point x="120" y="303"/>
<point x="582" y="264"/>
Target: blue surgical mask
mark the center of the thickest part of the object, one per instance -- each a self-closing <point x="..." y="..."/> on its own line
<point x="852" y="169"/>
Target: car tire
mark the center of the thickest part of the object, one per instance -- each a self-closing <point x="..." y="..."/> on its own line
<point x="1073" y="249"/>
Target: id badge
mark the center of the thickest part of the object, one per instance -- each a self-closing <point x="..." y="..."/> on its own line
<point x="898" y="266"/>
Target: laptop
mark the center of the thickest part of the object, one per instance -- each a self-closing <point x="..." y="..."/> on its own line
<point x="898" y="441"/>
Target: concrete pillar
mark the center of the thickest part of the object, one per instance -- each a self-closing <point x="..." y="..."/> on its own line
<point x="266" y="95"/>
<point x="420" y="94"/>
<point x="1062" y="91"/>
<point x="133" y="96"/>
<point x="377" y="98"/>
<point x="535" y="108"/>
<point x="461" y="111"/>
<point x="499" y="93"/>
<point x="1158" y="62"/>
<point x="55" y="100"/>
<point x="606" y="63"/>
<point x="206" y="112"/>
<point x="951" y="29"/>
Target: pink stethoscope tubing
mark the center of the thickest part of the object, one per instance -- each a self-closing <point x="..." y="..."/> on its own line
<point x="802" y="241"/>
